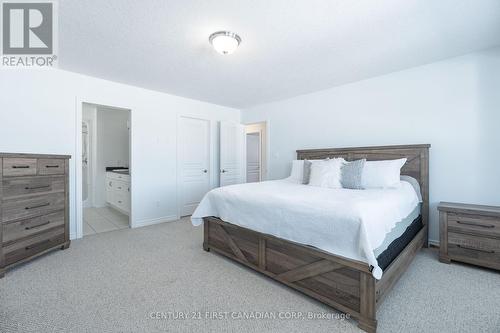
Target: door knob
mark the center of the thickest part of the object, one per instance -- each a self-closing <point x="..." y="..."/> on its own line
<point x="223" y="171"/>
<point x="205" y="171"/>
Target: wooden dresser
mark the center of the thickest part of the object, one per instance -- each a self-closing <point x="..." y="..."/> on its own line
<point x="470" y="234"/>
<point x="34" y="206"/>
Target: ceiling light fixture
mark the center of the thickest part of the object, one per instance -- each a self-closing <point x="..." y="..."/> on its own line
<point x="224" y="42"/>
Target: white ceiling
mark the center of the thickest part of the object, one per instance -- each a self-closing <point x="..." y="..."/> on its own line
<point x="289" y="47"/>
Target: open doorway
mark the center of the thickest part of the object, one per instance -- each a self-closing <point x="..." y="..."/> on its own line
<point x="256" y="152"/>
<point x="105" y="167"/>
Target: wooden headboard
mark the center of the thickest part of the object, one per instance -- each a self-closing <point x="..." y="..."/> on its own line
<point x="417" y="165"/>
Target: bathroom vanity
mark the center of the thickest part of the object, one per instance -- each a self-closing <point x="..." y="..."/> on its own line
<point x="118" y="189"/>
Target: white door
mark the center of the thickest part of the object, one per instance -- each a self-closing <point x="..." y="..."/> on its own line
<point x="194" y="159"/>
<point x="232" y="153"/>
<point x="253" y="157"/>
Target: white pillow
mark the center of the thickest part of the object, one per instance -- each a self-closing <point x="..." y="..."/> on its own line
<point x="326" y="173"/>
<point x="297" y="173"/>
<point x="381" y="174"/>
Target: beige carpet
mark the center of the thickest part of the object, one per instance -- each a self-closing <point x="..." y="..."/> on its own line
<point x="118" y="281"/>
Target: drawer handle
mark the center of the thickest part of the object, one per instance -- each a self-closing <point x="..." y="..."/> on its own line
<point x="20" y="167"/>
<point x="37" y="206"/>
<point x="35" y="187"/>
<point x="476" y="224"/>
<point x="36" y="226"/>
<point x="37" y="244"/>
<point x="52" y="166"/>
<point x="474" y="249"/>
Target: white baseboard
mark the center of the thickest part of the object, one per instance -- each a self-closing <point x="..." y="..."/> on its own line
<point x="146" y="222"/>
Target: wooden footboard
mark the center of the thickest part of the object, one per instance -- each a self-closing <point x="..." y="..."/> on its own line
<point x="344" y="284"/>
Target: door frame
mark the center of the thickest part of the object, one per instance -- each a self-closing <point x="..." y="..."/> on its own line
<point x="211" y="168"/>
<point x="78" y="159"/>
<point x="264" y="167"/>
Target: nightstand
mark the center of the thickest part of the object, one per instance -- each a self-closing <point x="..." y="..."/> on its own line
<point x="470" y="234"/>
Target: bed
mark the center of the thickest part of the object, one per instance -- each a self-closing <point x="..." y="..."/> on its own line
<point x="308" y="260"/>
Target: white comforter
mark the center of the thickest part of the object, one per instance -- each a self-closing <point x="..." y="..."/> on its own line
<point x="349" y="223"/>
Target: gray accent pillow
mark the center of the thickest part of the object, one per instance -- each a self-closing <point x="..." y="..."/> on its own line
<point x="351" y="173"/>
<point x="307" y="172"/>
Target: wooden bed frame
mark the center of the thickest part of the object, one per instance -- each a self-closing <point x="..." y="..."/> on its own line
<point x="344" y="284"/>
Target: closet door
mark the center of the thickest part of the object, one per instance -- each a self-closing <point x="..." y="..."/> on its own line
<point x="194" y="160"/>
<point x="232" y="153"/>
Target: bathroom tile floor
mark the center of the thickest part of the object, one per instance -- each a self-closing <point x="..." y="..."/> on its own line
<point x="103" y="219"/>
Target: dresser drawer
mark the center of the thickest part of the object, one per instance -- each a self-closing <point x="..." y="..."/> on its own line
<point x="19" y="167"/>
<point x="474" y="242"/>
<point x="22" y="208"/>
<point x="490" y="259"/>
<point x="51" y="166"/>
<point x="30" y="246"/>
<point x="15" y="187"/>
<point x="476" y="225"/>
<point x="474" y="249"/>
<point x="25" y="228"/>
